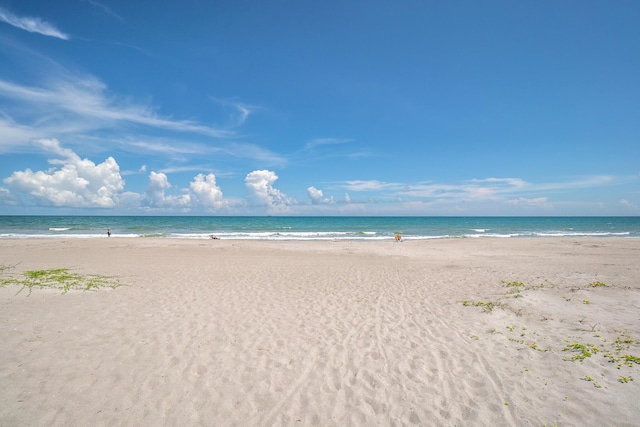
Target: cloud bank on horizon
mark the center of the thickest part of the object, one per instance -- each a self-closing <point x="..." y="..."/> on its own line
<point x="319" y="109"/>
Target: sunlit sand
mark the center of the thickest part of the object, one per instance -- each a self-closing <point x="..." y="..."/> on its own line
<point x="220" y="332"/>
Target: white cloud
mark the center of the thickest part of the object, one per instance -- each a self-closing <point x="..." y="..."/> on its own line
<point x="156" y="197"/>
<point x="317" y="197"/>
<point x="80" y="107"/>
<point x="523" y="201"/>
<point x="326" y="141"/>
<point x="368" y="185"/>
<point x="206" y="191"/>
<point x="13" y="134"/>
<point x="241" y="111"/>
<point x="31" y="24"/>
<point x="88" y="98"/>
<point x="7" y="198"/>
<point x="511" y="182"/>
<point x="77" y="183"/>
<point x="203" y="191"/>
<point x="260" y="183"/>
<point x="105" y="9"/>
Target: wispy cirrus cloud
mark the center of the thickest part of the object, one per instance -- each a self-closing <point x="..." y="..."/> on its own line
<point x="182" y="150"/>
<point x="89" y="99"/>
<point x="31" y="24"/>
<point x="370" y="185"/>
<point x="240" y="110"/>
<point x="514" y="189"/>
<point x="105" y="9"/>
<point x="326" y="141"/>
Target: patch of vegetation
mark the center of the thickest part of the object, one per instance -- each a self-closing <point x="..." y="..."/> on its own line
<point x="629" y="360"/>
<point x="589" y="378"/>
<point x="597" y="285"/>
<point x="513" y="284"/>
<point x="62" y="279"/>
<point x="581" y="351"/>
<point x="487" y="307"/>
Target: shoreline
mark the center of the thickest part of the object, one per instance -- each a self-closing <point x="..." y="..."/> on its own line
<point x="447" y="331"/>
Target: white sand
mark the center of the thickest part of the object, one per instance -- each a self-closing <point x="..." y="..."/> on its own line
<point x="322" y="333"/>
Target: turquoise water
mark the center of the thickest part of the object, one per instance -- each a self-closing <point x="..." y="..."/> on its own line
<point x="314" y="228"/>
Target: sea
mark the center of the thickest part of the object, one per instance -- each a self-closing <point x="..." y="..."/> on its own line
<point x="314" y="228"/>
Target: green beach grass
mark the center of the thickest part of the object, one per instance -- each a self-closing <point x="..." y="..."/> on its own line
<point x="62" y="279"/>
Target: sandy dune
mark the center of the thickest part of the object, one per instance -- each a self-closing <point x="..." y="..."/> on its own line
<point x="460" y="332"/>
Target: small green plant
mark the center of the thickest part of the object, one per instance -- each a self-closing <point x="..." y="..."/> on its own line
<point x="62" y="279"/>
<point x="590" y="379"/>
<point x="581" y="351"/>
<point x="487" y="307"/>
<point x="513" y="284"/>
<point x="597" y="285"/>
<point x="625" y="379"/>
<point x="629" y="360"/>
<point x="586" y="301"/>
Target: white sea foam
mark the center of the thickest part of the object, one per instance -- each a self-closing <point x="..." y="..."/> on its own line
<point x="577" y="234"/>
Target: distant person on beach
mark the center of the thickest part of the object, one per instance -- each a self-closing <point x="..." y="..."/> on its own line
<point x="214" y="237"/>
<point x="108" y="232"/>
<point x="398" y="237"/>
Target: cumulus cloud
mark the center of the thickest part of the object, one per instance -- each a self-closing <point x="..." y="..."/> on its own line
<point x="7" y="198"/>
<point x="206" y="192"/>
<point x="75" y="183"/>
<point x="155" y="195"/>
<point x="31" y="24"/>
<point x="260" y="183"/>
<point x="158" y="183"/>
<point x="317" y="197"/>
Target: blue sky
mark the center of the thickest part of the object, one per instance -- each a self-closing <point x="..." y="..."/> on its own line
<point x="320" y="108"/>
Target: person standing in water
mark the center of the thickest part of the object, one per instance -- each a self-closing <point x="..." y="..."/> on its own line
<point x="108" y="232"/>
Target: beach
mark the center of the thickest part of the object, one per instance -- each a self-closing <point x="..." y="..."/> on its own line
<point x="448" y="332"/>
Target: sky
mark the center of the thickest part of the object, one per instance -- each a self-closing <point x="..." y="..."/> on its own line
<point x="319" y="107"/>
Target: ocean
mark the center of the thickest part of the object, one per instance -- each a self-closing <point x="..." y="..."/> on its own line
<point x="314" y="228"/>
